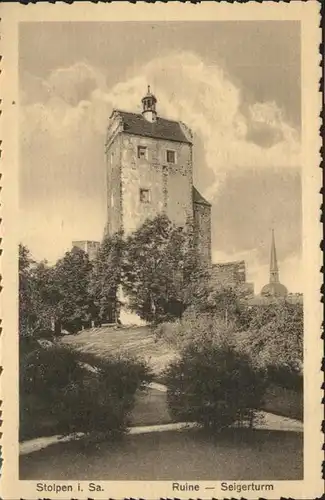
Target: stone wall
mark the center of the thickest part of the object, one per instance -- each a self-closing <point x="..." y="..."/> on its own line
<point x="114" y="198"/>
<point x="202" y="225"/>
<point x="169" y="185"/>
<point x="90" y="247"/>
<point x="229" y="273"/>
<point x="179" y="182"/>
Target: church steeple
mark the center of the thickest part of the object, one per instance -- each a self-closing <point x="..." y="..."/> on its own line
<point x="274" y="288"/>
<point x="274" y="269"/>
<point x="149" y="102"/>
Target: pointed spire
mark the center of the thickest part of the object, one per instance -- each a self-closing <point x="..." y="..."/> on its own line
<point x="274" y="270"/>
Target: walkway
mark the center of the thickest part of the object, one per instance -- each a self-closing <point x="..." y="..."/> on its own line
<point x="267" y="421"/>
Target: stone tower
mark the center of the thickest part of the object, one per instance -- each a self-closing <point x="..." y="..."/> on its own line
<point x="149" y="168"/>
<point x="150" y="172"/>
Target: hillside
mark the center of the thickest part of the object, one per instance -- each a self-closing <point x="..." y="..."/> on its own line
<point x="136" y="341"/>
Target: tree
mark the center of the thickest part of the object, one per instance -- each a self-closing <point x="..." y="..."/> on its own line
<point x="27" y="315"/>
<point x="158" y="268"/>
<point x="35" y="295"/>
<point x="106" y="277"/>
<point x="71" y="278"/>
<point x="225" y="303"/>
<point x="274" y="340"/>
<point x="46" y="297"/>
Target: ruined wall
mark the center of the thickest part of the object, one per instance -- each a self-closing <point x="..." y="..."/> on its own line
<point x="88" y="246"/>
<point x="169" y="185"/>
<point x="114" y="198"/>
<point x="229" y="273"/>
<point x="179" y="182"/>
<point x="202" y="226"/>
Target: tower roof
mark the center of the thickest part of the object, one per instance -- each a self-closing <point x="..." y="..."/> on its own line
<point x="274" y="289"/>
<point x="198" y="198"/>
<point x="136" y="124"/>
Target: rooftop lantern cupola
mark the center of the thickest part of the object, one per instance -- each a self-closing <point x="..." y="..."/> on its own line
<point x="149" y="102"/>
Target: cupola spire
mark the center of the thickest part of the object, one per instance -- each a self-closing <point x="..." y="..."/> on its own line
<point x="149" y="102"/>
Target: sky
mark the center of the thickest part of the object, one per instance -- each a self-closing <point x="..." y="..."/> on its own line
<point x="235" y="84"/>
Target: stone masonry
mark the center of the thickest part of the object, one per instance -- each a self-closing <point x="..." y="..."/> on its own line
<point x="150" y="172"/>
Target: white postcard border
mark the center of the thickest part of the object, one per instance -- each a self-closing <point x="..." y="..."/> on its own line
<point x="308" y="14"/>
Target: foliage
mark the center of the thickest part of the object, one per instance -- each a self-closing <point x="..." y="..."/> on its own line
<point x="271" y="335"/>
<point x="274" y="340"/>
<point x="58" y="294"/>
<point x="26" y="309"/>
<point x="45" y="297"/>
<point x="214" y="385"/>
<point x="226" y="303"/>
<point x="111" y="393"/>
<point x="106" y="276"/>
<point x="159" y="267"/>
<point x="36" y="295"/>
<point x="71" y="276"/>
<point x="79" y="392"/>
<point x="195" y="328"/>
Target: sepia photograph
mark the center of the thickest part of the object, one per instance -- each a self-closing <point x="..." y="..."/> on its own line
<point x="160" y="257"/>
<point x="161" y="282"/>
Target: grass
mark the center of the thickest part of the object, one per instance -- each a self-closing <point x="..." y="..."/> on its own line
<point x="186" y="455"/>
<point x="136" y="341"/>
<point x="150" y="409"/>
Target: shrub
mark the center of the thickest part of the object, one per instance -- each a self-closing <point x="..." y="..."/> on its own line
<point x="172" y="333"/>
<point x="195" y="328"/>
<point x="77" y="392"/>
<point x="109" y="393"/>
<point x="286" y="377"/>
<point x="214" y="385"/>
<point x="274" y="341"/>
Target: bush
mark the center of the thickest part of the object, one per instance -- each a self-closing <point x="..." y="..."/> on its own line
<point x="286" y="377"/>
<point x="195" y="328"/>
<point x="214" y="385"/>
<point x="76" y="392"/>
<point x="274" y="341"/>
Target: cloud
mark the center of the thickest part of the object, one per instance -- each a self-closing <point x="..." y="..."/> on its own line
<point x="252" y="202"/>
<point x="72" y="84"/>
<point x="63" y="124"/>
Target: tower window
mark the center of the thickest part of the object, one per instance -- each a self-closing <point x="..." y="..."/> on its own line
<point x="144" y="195"/>
<point x="170" y="156"/>
<point x="142" y="152"/>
